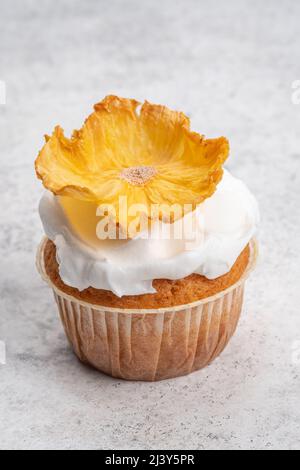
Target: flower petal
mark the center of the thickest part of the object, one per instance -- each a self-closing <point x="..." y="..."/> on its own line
<point x="163" y="132"/>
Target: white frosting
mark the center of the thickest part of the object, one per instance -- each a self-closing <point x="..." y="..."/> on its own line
<point x="223" y="225"/>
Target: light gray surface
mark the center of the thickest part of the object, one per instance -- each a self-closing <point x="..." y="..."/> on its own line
<point x="229" y="65"/>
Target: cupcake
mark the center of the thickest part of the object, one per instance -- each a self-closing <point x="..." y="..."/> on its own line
<point x="149" y="240"/>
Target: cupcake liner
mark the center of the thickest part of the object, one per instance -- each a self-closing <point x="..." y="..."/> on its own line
<point x="150" y="344"/>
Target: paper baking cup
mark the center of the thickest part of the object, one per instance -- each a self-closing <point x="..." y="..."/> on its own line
<point x="150" y="344"/>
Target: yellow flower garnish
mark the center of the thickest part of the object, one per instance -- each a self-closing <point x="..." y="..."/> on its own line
<point x="150" y="156"/>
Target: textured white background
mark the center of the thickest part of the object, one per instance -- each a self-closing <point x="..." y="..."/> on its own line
<point x="230" y="66"/>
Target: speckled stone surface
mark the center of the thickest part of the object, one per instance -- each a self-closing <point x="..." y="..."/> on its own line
<point x="229" y="65"/>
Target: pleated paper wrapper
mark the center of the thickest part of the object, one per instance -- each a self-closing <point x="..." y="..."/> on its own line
<point x="147" y="344"/>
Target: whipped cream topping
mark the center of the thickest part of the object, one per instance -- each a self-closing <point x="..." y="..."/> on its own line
<point x="213" y="236"/>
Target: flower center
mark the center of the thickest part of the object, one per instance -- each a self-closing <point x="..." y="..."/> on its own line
<point x="138" y="175"/>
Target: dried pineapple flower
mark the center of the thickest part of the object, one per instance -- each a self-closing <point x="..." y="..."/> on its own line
<point x="150" y="156"/>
